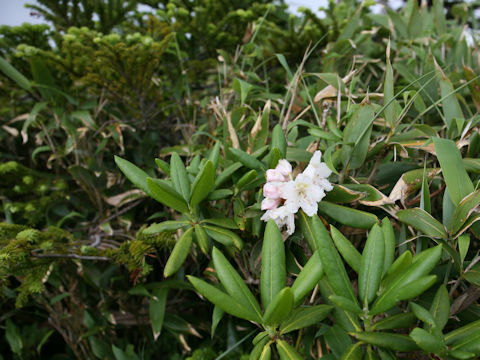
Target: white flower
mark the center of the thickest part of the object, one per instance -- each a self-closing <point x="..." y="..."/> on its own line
<point x="270" y="204"/>
<point x="302" y="193"/>
<point x="318" y="171"/>
<point x="282" y="216"/>
<point x="275" y="175"/>
<point x="272" y="190"/>
<point x="284" y="167"/>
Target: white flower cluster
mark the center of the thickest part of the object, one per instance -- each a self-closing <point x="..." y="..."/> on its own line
<point x="284" y="196"/>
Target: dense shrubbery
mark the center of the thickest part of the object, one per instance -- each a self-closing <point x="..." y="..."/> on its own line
<point x="134" y="151"/>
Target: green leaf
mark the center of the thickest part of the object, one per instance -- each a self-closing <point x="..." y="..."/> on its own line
<point x="258" y="347"/>
<point x="332" y="263"/>
<point x="286" y="351"/>
<point x="389" y="239"/>
<point x="133" y="173"/>
<point x="179" y="253"/>
<point x="388" y="94"/>
<point x="473" y="275"/>
<point x="169" y="225"/>
<point x="202" y="239"/>
<point x="458" y="182"/>
<point x="273" y="277"/>
<point x="161" y="191"/>
<point x="342" y="194"/>
<point x="463" y="245"/>
<point x="279" y="308"/>
<point x="179" y="176"/>
<point x="224" y="236"/>
<point x="226" y="174"/>
<point x="163" y="165"/>
<point x="266" y="353"/>
<point x="398" y="321"/>
<point x="348" y="216"/>
<point x="345" y="304"/>
<point x="217" y="315"/>
<point x="215" y="155"/>
<point x="221" y="299"/>
<point x="242" y="88"/>
<point x="349" y="252"/>
<point x="451" y="108"/>
<point x="246" y="179"/>
<point x="464" y="209"/>
<point x="303" y="317"/>
<point x="203" y="184"/>
<point x="354" y="352"/>
<point x="279" y="141"/>
<point x="386" y="340"/>
<point x="371" y="266"/>
<point x="357" y="136"/>
<point x="219" y="194"/>
<point x="248" y="160"/>
<point x="222" y="222"/>
<point x="398" y="268"/>
<point x="422" y="221"/>
<point x="458" y="335"/>
<point x="308" y="278"/>
<point x="157" y="310"/>
<point x="422" y="264"/>
<point x="469" y="344"/>
<point x="338" y="340"/>
<point x="306" y="227"/>
<point x="233" y="283"/>
<point x="427" y="342"/>
<point x="440" y="308"/>
<point x="15" y="75"/>
<point x="13" y="335"/>
<point x="423" y="314"/>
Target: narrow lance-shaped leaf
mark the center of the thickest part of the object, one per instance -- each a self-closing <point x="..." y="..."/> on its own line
<point x="389" y="239"/>
<point x="303" y="317"/>
<point x="278" y="140"/>
<point x="386" y="340"/>
<point x="349" y="252"/>
<point x="371" y="266"/>
<point x="179" y="175"/>
<point x="157" y="310"/>
<point x="233" y="283"/>
<point x="161" y="191"/>
<point x="308" y="278"/>
<point x="458" y="182"/>
<point x="222" y="300"/>
<point x="279" y="308"/>
<point x="14" y="74"/>
<point x="286" y="351"/>
<point x="440" y="308"/>
<point x="332" y="263"/>
<point x="427" y="341"/>
<point x="274" y="276"/>
<point x="203" y="184"/>
<point x="133" y="173"/>
<point x="422" y="221"/>
<point x="179" y="253"/>
<point x="348" y="216"/>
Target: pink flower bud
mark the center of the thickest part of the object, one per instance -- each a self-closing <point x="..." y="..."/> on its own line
<point x="284" y="167"/>
<point x="271" y="190"/>
<point x="270" y="204"/>
<point x="274" y="175"/>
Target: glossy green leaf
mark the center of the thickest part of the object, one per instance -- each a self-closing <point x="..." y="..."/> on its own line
<point x="458" y="182"/>
<point x="356" y="136"/>
<point x="463" y="245"/>
<point x="203" y="184"/>
<point x="464" y="209"/>
<point x="422" y="221"/>
<point x="157" y="310"/>
<point x="279" y="141"/>
<point x="169" y="225"/>
<point x="286" y="351"/>
<point x="133" y="173"/>
<point x="345" y="304"/>
<point x="397" y="269"/>
<point x="397" y="321"/>
<point x="303" y="317"/>
<point x="354" y="352"/>
<point x="258" y="347"/>
<point x="371" y="266"/>
<point x="266" y="353"/>
<point x="247" y="178"/>
<point x="221" y="299"/>
<point x="215" y="155"/>
<point x="222" y="222"/>
<point x="179" y="253"/>
<point x="349" y="252"/>
<point x="246" y="159"/>
<point x="342" y="194"/>
<point x="386" y="340"/>
<point x="473" y="275"/>
<point x="279" y="308"/>
<point x="458" y="335"/>
<point x="348" y="216"/>
<point x="226" y="174"/>
<point x="202" y="239"/>
<point x="338" y="340"/>
<point x="422" y="264"/>
<point x="440" y="308"/>
<point x="427" y="342"/>
<point x="219" y="194"/>
<point x="14" y="75"/>
<point x="469" y="344"/>
<point x="273" y="277"/>
<point x="217" y="315"/>
<point x="389" y="239"/>
<point x="224" y="236"/>
<point x="162" y="192"/>
<point x="179" y="175"/>
<point x="450" y="105"/>
<point x="234" y="284"/>
<point x="422" y="314"/>
<point x="332" y="263"/>
<point x="308" y="278"/>
<point x="13" y="336"/>
<point x="163" y="165"/>
<point x="306" y="227"/>
<point x="388" y="93"/>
